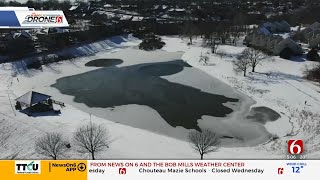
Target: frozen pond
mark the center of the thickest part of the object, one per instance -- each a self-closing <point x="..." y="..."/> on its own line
<point x="104" y="62"/>
<point x="263" y="115"/>
<point x="168" y="97"/>
<point x="178" y="105"/>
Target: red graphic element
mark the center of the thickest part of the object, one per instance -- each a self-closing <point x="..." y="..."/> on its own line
<point x="122" y="171"/>
<point x="59" y="19"/>
<point x="295" y="146"/>
<point x="280" y="170"/>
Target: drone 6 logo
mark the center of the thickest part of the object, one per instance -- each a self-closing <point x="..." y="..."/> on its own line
<point x="35" y="18"/>
<point x="295" y="147"/>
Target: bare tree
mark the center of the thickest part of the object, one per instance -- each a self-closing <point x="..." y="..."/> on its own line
<point x="91" y="138"/>
<point x="211" y="41"/>
<point x="254" y="56"/>
<point x="204" y="59"/>
<point x="223" y="32"/>
<point x="51" y="145"/>
<point x="235" y="35"/>
<point x="312" y="73"/>
<point x="190" y="31"/>
<point x="241" y="64"/>
<point x="221" y="53"/>
<point x="214" y="46"/>
<point x="204" y="142"/>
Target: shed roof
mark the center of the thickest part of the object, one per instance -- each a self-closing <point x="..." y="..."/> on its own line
<point x="314" y="25"/>
<point x="263" y="30"/>
<point x="32" y="97"/>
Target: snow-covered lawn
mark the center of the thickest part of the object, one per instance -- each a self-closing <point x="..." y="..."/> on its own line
<point x="284" y="91"/>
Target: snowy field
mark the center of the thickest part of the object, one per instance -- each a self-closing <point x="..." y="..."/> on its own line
<point x="284" y="91"/>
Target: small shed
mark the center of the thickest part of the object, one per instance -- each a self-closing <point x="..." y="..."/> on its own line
<point x="34" y="102"/>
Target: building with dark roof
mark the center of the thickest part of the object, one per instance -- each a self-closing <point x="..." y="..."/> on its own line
<point x="33" y="102"/>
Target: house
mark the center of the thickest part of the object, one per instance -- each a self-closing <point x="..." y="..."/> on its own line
<point x="179" y="12"/>
<point x="276" y="27"/>
<point x="295" y="48"/>
<point x="108" y="6"/>
<point x="74" y="7"/>
<point x="3" y="44"/>
<point x="80" y="9"/>
<point x="311" y="35"/>
<point x="315" y="42"/>
<point x="263" y="30"/>
<point x="137" y="18"/>
<point x="271" y="27"/>
<point x="273" y="41"/>
<point x="125" y="17"/>
<point x="255" y="17"/>
<point x="22" y="40"/>
<point x="314" y="26"/>
<point x="311" y="31"/>
<point x="283" y="26"/>
<point x="58" y="30"/>
<point x="264" y="38"/>
<point x="23" y="35"/>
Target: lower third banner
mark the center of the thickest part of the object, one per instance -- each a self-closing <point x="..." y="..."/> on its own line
<point x="158" y="169"/>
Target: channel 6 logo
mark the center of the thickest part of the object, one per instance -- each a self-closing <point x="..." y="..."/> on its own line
<point x="122" y="171"/>
<point x="295" y="146"/>
<point x="59" y="19"/>
<point x="280" y="170"/>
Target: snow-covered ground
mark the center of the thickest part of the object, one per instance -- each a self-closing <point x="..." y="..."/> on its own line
<point x="284" y="91"/>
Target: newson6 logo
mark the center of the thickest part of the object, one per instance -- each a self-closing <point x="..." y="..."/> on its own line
<point x="27" y="167"/>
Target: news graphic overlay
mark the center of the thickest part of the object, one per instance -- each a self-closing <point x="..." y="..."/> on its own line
<point x="43" y="169"/>
<point x="296" y="167"/>
<point x="27" y="167"/>
<point x="280" y="170"/>
<point x="24" y="17"/>
<point x="181" y="168"/>
<point x="158" y="169"/>
<point x="295" y="149"/>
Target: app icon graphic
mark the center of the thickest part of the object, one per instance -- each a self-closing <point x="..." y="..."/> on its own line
<point x="81" y="167"/>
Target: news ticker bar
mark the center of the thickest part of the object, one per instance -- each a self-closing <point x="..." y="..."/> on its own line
<point x="158" y="169"/>
<point x="24" y="17"/>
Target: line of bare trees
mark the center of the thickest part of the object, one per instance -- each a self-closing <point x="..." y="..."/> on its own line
<point x="220" y="33"/>
<point x="88" y="139"/>
<point x="93" y="138"/>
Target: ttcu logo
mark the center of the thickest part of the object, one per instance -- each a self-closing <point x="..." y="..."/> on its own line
<point x="122" y="171"/>
<point x="295" y="147"/>
<point x="27" y="167"/>
<point x="280" y="170"/>
<point x="59" y="19"/>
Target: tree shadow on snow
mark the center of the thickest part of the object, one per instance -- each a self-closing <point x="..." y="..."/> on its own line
<point x="272" y="77"/>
